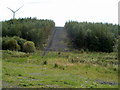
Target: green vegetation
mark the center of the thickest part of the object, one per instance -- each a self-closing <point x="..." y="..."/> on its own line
<point x="92" y="36"/>
<point x="29" y="47"/>
<point x="19" y="40"/>
<point x="10" y="44"/>
<point x="92" y="63"/>
<point x="68" y="70"/>
<point x="30" y="29"/>
<point x="17" y="44"/>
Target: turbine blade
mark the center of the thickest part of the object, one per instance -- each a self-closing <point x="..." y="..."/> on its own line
<point x="11" y="10"/>
<point x="19" y="8"/>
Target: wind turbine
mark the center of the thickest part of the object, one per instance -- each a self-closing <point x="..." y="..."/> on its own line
<point x="15" y="11"/>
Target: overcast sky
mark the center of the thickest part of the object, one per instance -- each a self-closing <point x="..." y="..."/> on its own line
<point x="62" y="10"/>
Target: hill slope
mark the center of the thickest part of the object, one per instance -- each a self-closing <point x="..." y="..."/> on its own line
<point x="58" y="40"/>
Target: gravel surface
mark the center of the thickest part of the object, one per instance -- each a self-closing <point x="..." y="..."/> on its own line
<point x="59" y="40"/>
<point x="106" y="82"/>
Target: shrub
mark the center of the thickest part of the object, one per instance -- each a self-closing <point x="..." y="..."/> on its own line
<point x="45" y="62"/>
<point x="20" y="41"/>
<point x="82" y="50"/>
<point x="29" y="47"/>
<point x="55" y="65"/>
<point x="4" y="43"/>
<point x="10" y="44"/>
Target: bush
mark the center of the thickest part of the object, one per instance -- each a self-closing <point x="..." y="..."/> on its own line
<point x="45" y="62"/>
<point x="29" y="47"/>
<point x="20" y="41"/>
<point x="55" y="65"/>
<point x="10" y="44"/>
<point x="17" y="43"/>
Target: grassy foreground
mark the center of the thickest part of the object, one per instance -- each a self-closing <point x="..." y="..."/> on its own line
<point x="67" y="70"/>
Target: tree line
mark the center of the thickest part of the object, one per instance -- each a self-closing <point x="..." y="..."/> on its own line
<point x="83" y="35"/>
<point x="30" y="29"/>
<point x="92" y="36"/>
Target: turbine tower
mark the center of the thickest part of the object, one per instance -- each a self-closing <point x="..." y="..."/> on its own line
<point x="15" y="11"/>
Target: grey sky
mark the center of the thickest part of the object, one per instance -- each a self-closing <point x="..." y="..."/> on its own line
<point x="62" y="10"/>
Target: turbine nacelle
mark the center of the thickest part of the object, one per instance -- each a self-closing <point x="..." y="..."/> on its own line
<point x="15" y="11"/>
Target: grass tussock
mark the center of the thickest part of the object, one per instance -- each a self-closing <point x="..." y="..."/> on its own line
<point x="67" y="70"/>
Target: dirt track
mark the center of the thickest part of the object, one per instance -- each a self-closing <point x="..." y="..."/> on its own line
<point x="59" y="40"/>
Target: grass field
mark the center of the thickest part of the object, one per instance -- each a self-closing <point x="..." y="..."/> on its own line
<point x="74" y="69"/>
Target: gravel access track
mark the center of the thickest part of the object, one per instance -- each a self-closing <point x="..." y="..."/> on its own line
<point x="59" y="40"/>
